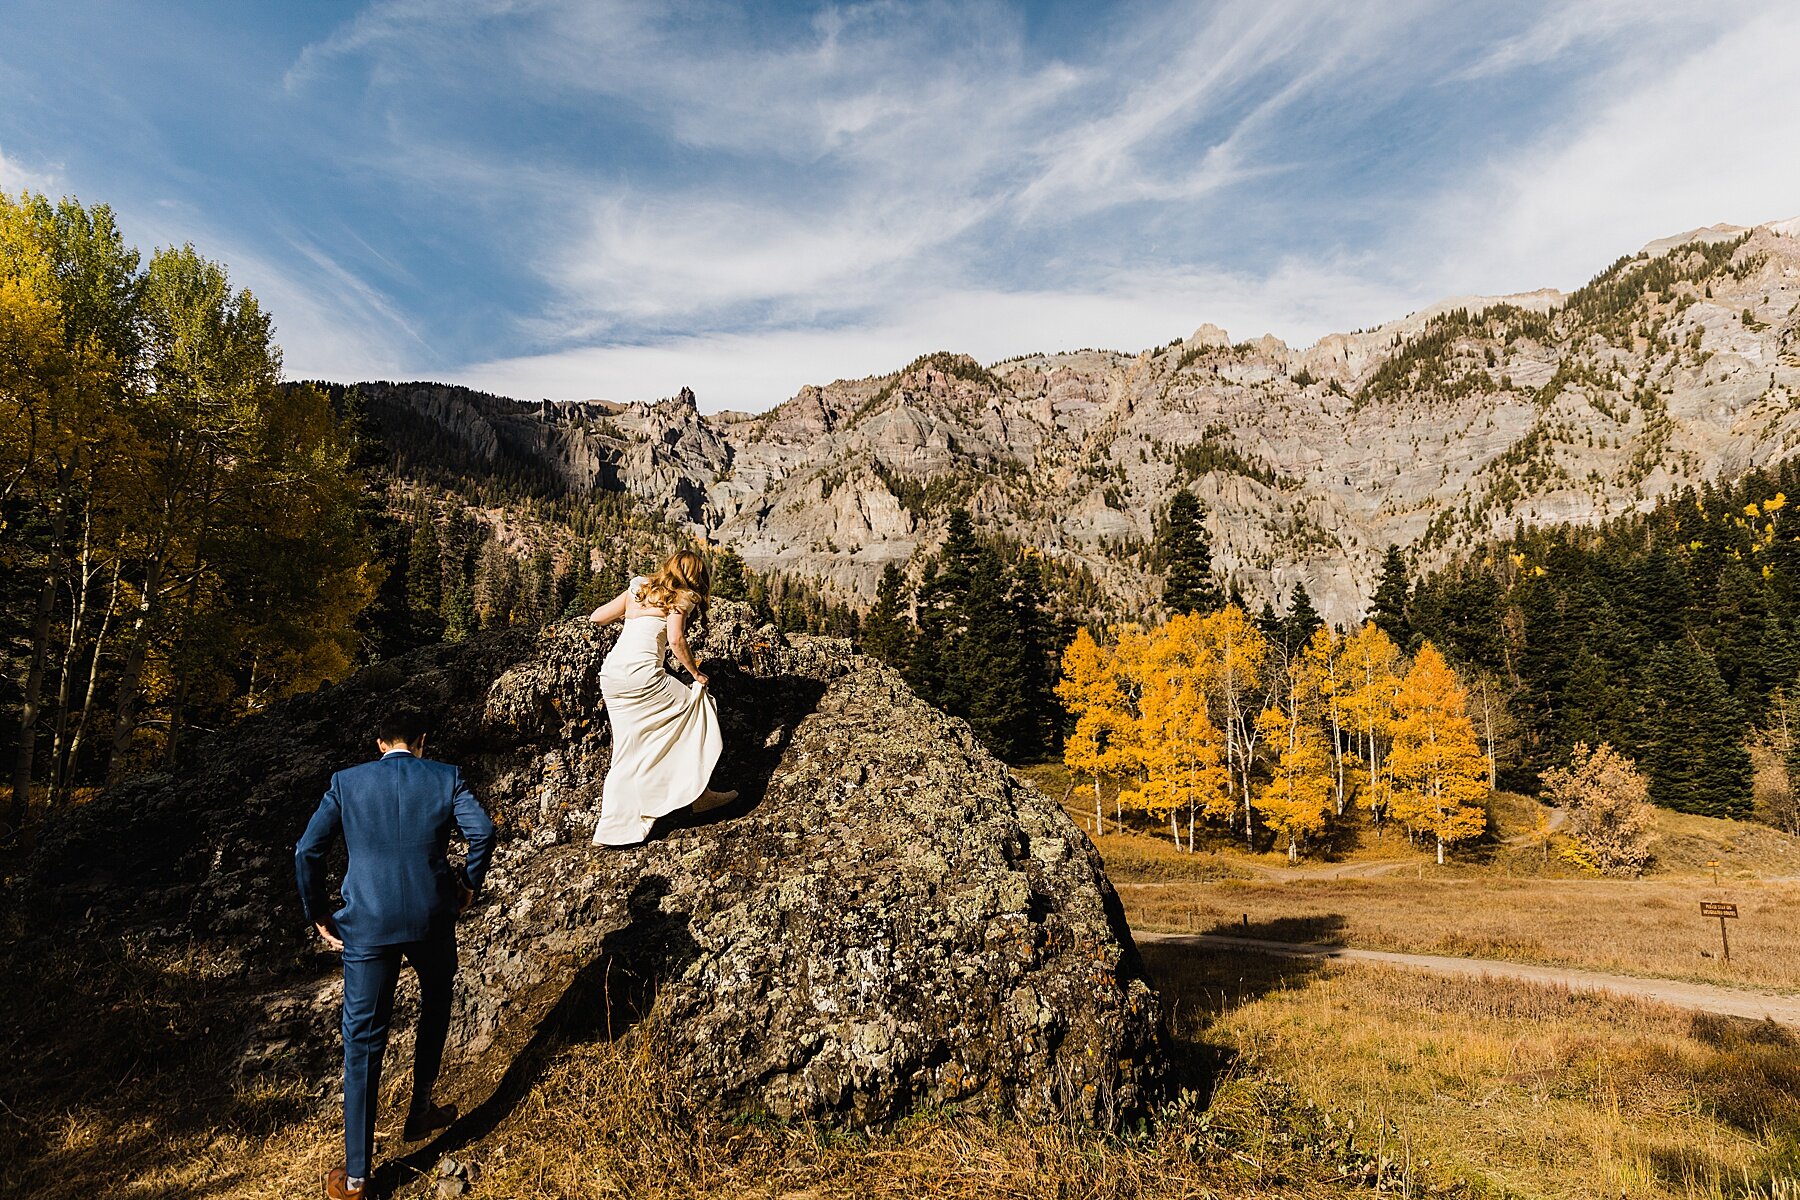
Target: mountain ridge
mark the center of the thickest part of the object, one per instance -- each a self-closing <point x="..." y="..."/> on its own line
<point x="1435" y="431"/>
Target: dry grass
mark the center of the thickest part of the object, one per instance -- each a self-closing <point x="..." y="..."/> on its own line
<point x="1519" y="1089"/>
<point x="1632" y="927"/>
<point x="1517" y="842"/>
<point x="117" y="1088"/>
<point x="1301" y="1080"/>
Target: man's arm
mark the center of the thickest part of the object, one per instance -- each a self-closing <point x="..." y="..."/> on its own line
<point x="309" y="860"/>
<point x="477" y="829"/>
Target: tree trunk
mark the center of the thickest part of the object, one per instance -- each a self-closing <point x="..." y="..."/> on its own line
<point x="81" y="585"/>
<point x="72" y="762"/>
<point x="1099" y="824"/>
<point x="125" y="721"/>
<point x="1440" y="848"/>
<point x="1174" y="830"/>
<point x="31" y="698"/>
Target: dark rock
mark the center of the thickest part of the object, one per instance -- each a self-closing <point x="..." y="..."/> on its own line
<point x="886" y="918"/>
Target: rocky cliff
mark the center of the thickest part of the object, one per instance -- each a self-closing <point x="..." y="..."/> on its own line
<point x="1434" y="431"/>
<point x="886" y="918"/>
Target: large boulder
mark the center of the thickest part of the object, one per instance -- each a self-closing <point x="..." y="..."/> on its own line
<point x="887" y="918"/>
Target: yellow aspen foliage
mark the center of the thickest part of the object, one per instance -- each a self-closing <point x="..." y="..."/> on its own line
<point x="1323" y="673"/>
<point x="1183" y="759"/>
<point x="1235" y="658"/>
<point x="1180" y="750"/>
<point x="1296" y="801"/>
<point x="1439" y="775"/>
<point x="1092" y="691"/>
<point x="1371" y="663"/>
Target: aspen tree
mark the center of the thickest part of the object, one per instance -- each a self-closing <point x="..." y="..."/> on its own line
<point x="1090" y="689"/>
<point x="1297" y="798"/>
<point x="1439" y="773"/>
<point x="1371" y="662"/>
<point x="1182" y="750"/>
<point x="1322" y="670"/>
<point x="1239" y="656"/>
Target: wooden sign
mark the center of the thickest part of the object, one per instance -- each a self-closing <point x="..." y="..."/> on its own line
<point x="1723" y="911"/>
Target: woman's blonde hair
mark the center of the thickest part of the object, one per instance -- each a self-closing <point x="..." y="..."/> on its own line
<point x="681" y="583"/>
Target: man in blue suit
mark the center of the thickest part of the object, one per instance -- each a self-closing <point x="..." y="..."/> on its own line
<point x="401" y="901"/>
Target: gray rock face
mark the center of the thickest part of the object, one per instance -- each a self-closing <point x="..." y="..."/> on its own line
<point x="1306" y="477"/>
<point x="887" y="918"/>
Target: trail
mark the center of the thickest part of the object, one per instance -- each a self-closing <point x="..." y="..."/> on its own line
<point x="1729" y="1002"/>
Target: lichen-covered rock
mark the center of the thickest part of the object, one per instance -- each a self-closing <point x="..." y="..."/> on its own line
<point x="887" y="918"/>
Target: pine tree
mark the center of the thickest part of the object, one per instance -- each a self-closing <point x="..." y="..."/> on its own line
<point x="1438" y="771"/>
<point x="937" y="666"/>
<point x="886" y="630"/>
<point x="728" y="581"/>
<point x="1269" y="623"/>
<point x="1185" y="554"/>
<point x="1303" y="620"/>
<point x="425" y="579"/>
<point x="1692" y="736"/>
<point x="1390" y="608"/>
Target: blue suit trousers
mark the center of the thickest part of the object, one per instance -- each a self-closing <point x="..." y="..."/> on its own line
<point x="370" y="975"/>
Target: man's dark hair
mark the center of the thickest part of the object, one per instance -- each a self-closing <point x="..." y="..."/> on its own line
<point x="401" y="725"/>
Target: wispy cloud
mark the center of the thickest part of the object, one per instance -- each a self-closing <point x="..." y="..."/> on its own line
<point x="15" y="176"/>
<point x="1641" y="156"/>
<point x="619" y="197"/>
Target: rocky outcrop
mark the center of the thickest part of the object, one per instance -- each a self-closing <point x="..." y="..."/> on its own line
<point x="886" y="919"/>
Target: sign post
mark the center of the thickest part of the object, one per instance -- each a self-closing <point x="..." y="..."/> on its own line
<point x="1714" y="864"/>
<point x="1725" y="912"/>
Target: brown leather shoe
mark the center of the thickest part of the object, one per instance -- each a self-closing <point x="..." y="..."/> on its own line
<point x="337" y="1186"/>
<point x="422" y="1123"/>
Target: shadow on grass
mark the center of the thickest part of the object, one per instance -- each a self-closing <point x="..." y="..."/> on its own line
<point x="1319" y="929"/>
<point x="1200" y="984"/>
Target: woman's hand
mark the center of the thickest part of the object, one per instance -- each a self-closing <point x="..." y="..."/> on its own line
<point x="699" y="678"/>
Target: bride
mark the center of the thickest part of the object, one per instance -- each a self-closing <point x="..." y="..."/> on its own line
<point x="665" y="736"/>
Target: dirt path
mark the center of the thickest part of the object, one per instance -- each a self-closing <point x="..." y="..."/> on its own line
<point x="1729" y="1002"/>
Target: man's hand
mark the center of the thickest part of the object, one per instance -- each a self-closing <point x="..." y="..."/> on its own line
<point x="467" y="898"/>
<point x="329" y="935"/>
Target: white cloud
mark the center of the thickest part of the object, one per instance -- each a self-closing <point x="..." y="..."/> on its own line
<point x="757" y="370"/>
<point x="1703" y="141"/>
<point x="885" y="149"/>
<point x="329" y="323"/>
<point x="16" y="177"/>
<point x="1574" y="26"/>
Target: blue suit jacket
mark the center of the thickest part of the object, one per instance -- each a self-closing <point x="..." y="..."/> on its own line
<point x="396" y="815"/>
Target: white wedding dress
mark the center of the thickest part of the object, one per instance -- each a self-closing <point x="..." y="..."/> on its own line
<point x="665" y="736"/>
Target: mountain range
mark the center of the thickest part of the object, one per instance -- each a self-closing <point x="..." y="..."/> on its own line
<point x="1676" y="365"/>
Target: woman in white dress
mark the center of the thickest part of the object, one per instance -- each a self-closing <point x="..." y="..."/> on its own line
<point x="665" y="736"/>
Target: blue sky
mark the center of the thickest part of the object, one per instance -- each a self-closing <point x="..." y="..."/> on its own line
<point x="603" y="198"/>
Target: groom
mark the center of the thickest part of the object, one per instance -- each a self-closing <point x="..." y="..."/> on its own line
<point x="401" y="901"/>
